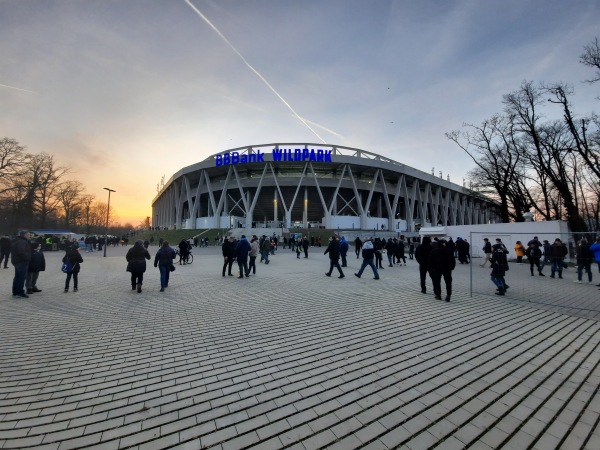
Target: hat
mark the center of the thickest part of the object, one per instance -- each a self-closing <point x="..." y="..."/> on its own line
<point x="498" y="240"/>
<point x="485" y="239"/>
<point x="23" y="232"/>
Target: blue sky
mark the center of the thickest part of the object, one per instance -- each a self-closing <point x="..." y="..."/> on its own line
<point x="126" y="91"/>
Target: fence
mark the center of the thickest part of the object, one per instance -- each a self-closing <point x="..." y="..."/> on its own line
<point x="564" y="294"/>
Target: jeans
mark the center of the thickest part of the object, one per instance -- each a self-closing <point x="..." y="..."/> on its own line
<point x="136" y="278"/>
<point x="335" y="263"/>
<point x="499" y="282"/>
<point x="390" y="258"/>
<point x="265" y="256"/>
<point x="74" y="275"/>
<point x="165" y="272"/>
<point x="368" y="262"/>
<point x="252" y="265"/>
<point x="31" y="280"/>
<point x="588" y="268"/>
<point x="344" y="263"/>
<point x="557" y="266"/>
<point x="227" y="265"/>
<point x="436" y="279"/>
<point x="20" y="277"/>
<point x="243" y="265"/>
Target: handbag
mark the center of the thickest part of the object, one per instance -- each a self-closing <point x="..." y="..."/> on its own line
<point x="172" y="268"/>
<point x="67" y="267"/>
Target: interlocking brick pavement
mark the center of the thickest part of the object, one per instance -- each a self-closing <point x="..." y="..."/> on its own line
<point x="292" y="359"/>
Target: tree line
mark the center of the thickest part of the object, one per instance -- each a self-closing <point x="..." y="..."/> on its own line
<point x="37" y="193"/>
<point x="527" y="162"/>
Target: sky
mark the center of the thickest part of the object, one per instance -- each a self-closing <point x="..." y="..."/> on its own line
<point x="125" y="92"/>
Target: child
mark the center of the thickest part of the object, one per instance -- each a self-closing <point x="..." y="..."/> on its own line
<point x="73" y="257"/>
<point x="37" y="264"/>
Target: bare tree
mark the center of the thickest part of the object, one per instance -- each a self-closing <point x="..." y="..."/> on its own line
<point x="70" y="196"/>
<point x="491" y="148"/>
<point x="591" y="58"/>
<point x="12" y="160"/>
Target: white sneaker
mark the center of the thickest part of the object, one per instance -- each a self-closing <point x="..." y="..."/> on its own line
<point x="577" y="281"/>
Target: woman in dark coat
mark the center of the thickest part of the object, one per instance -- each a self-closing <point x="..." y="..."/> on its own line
<point x="136" y="264"/>
<point x="164" y="261"/>
<point x="73" y="257"/>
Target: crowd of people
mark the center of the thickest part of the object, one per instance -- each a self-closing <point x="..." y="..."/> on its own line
<point x="436" y="258"/>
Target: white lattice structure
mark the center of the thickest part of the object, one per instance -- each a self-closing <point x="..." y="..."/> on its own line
<point x="329" y="186"/>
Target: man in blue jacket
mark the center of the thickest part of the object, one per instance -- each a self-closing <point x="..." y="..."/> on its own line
<point x="241" y="251"/>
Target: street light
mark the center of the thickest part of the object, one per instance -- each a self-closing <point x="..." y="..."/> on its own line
<point x="107" y="211"/>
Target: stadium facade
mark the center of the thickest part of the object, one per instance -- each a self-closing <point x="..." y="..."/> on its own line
<point x="313" y="185"/>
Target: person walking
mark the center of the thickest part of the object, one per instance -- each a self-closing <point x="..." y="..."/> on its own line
<point x="37" y="264"/>
<point x="534" y="254"/>
<point x="441" y="263"/>
<point x="368" y="254"/>
<point x="499" y="267"/>
<point x="265" y="249"/>
<point x="585" y="257"/>
<point x="391" y="247"/>
<point x="242" y="249"/>
<point x="253" y="254"/>
<point x="344" y="251"/>
<point x="136" y="264"/>
<point x="20" y="255"/>
<point x="184" y="250"/>
<point x="164" y="261"/>
<point x="334" y="256"/>
<point x="487" y="252"/>
<point x="228" y="249"/>
<point x="546" y="254"/>
<point x="73" y="259"/>
<point x="558" y="251"/>
<point x="422" y="257"/>
<point x="357" y="246"/>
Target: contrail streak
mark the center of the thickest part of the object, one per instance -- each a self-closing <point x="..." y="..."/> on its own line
<point x="253" y="69"/>
<point x="18" y="89"/>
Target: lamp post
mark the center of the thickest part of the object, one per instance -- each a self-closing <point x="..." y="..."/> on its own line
<point x="107" y="212"/>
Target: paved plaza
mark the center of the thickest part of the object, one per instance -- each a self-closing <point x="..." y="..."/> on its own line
<point x="290" y="358"/>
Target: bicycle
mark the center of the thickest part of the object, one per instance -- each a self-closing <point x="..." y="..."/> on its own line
<point x="189" y="259"/>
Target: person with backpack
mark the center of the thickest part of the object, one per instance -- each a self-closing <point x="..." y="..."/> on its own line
<point x="71" y="266"/>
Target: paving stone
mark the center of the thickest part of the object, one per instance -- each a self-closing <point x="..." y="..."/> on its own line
<point x="108" y="369"/>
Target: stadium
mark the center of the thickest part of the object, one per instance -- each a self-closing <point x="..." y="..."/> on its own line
<point x="313" y="186"/>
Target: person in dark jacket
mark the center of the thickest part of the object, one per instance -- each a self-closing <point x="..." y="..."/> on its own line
<point x="334" y="256"/>
<point x="357" y="246"/>
<point x="534" y="254"/>
<point x="378" y="245"/>
<point x="462" y="247"/>
<point x="305" y="245"/>
<point x="487" y="251"/>
<point x="344" y="251"/>
<point x="422" y="257"/>
<point x="368" y="254"/>
<point x="499" y="267"/>
<point x="5" y="243"/>
<point x="136" y="264"/>
<point x="37" y="264"/>
<point x="228" y="249"/>
<point x="441" y="263"/>
<point x="20" y="255"/>
<point x="241" y="255"/>
<point x="184" y="250"/>
<point x="73" y="256"/>
<point x="391" y="247"/>
<point x="164" y="261"/>
<point x="558" y="251"/>
<point x="585" y="257"/>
